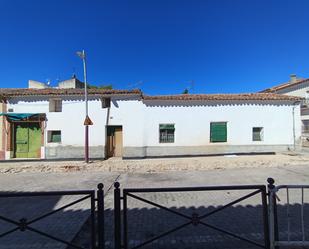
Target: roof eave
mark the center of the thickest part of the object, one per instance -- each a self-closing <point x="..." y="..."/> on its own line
<point x="284" y="86"/>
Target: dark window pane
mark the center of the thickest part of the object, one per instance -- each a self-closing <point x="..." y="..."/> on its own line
<point x="166" y="133"/>
<point x="54" y="136"/>
<point x="257" y="133"/>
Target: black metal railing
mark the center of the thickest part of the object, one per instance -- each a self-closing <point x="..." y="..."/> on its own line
<point x="96" y="215"/>
<point x="121" y="219"/>
<point x="293" y="198"/>
<point x="268" y="233"/>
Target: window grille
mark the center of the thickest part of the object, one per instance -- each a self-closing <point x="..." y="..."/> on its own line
<point x="167" y="133"/>
<point x="257" y="134"/>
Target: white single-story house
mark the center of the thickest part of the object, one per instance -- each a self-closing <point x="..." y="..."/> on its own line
<point x="298" y="87"/>
<point x="48" y="123"/>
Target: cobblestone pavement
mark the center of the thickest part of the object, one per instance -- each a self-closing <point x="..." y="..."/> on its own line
<point x="146" y="221"/>
<point x="158" y="164"/>
<point x="245" y="218"/>
<point x="64" y="224"/>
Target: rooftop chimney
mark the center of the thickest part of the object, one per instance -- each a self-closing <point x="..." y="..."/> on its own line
<point x="36" y="84"/>
<point x="71" y="83"/>
<point x="293" y="78"/>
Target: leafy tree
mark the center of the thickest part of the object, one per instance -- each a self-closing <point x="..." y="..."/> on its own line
<point x="110" y="86"/>
<point x="186" y="91"/>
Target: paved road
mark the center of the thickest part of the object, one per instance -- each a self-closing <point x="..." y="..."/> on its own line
<point x="146" y="221"/>
<point x="245" y="218"/>
<point x="64" y="224"/>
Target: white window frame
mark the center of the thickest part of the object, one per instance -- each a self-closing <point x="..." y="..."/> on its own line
<point x="49" y="135"/>
<point x="53" y="106"/>
<point x="166" y="142"/>
<point x="261" y="133"/>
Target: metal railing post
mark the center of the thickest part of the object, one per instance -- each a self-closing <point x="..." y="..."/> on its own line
<point x="93" y="220"/>
<point x="117" y="215"/>
<point x="265" y="218"/>
<point x="273" y="216"/>
<point x="100" y="215"/>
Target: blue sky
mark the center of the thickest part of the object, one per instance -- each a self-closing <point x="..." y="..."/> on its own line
<point x="160" y="46"/>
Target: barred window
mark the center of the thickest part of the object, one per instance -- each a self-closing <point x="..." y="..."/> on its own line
<point x="257" y="134"/>
<point x="167" y="133"/>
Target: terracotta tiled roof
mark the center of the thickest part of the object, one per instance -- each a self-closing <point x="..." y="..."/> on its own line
<point x="14" y="92"/>
<point x="11" y="92"/>
<point x="216" y="97"/>
<point x="283" y="86"/>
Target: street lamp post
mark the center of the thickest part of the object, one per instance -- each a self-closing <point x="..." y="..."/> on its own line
<point x="87" y="121"/>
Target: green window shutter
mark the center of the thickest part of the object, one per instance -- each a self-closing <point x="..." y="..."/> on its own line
<point x="167" y="127"/>
<point x="218" y="132"/>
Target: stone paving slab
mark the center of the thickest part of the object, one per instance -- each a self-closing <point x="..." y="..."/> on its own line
<point x="147" y="220"/>
<point x="64" y="224"/>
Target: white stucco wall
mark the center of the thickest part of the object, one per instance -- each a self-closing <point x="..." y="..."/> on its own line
<point x="131" y="115"/>
<point x="302" y="92"/>
<point x="298" y="90"/>
<point x="192" y="123"/>
<point x="69" y="121"/>
<point x="141" y="119"/>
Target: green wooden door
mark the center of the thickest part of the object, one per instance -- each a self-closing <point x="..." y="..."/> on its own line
<point x="27" y="140"/>
<point x="35" y="135"/>
<point x="21" y="140"/>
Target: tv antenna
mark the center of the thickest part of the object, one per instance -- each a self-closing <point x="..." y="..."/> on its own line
<point x="135" y="85"/>
<point x="74" y="72"/>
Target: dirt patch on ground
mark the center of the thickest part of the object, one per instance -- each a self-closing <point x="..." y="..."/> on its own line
<point x="158" y="165"/>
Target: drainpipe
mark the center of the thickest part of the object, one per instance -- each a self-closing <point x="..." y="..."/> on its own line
<point x="295" y="104"/>
<point x="106" y="125"/>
